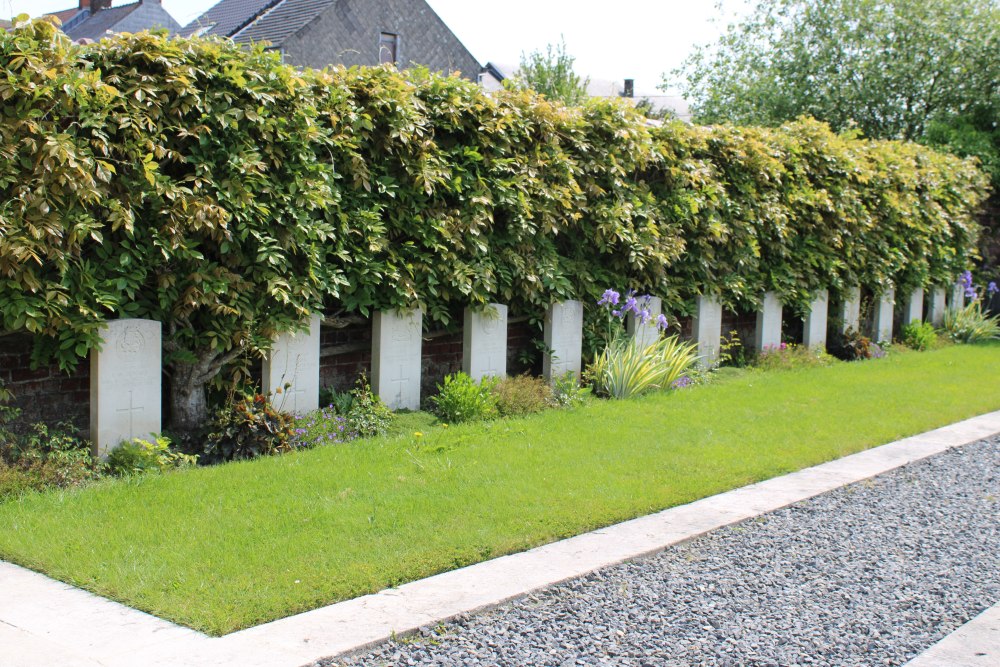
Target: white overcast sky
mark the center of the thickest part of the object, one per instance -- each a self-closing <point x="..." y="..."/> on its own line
<point x="639" y="39"/>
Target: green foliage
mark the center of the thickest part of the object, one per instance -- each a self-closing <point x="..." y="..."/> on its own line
<point x="140" y="456"/>
<point x="732" y="352"/>
<point x="919" y="335"/>
<point x="521" y="395"/>
<point x="368" y="416"/>
<point x="44" y="457"/>
<point x="228" y="196"/>
<point x="339" y="401"/>
<point x="462" y="399"/>
<point x="971" y="324"/>
<point x="245" y="428"/>
<point x="551" y="74"/>
<point x="567" y="392"/>
<point x="887" y="67"/>
<point x="625" y="369"/>
<point x="790" y="356"/>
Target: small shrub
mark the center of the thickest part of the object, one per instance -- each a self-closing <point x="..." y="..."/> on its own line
<point x="919" y="336"/>
<point x="338" y="401"/>
<point x="854" y="346"/>
<point x="367" y="416"/>
<point x="462" y="399"/>
<point x="732" y="352"/>
<point x="567" y="392"/>
<point x="245" y="428"/>
<point x="44" y="457"/>
<point x="521" y="395"/>
<point x="788" y="356"/>
<point x="348" y="415"/>
<point x="971" y="324"/>
<point x="142" y="456"/>
<point x="625" y="369"/>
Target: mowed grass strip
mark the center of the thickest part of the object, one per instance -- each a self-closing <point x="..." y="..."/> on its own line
<point x="227" y="547"/>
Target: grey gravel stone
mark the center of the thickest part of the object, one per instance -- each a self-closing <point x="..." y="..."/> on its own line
<point x="870" y="574"/>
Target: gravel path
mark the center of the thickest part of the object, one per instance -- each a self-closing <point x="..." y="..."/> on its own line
<point x="870" y="574"/>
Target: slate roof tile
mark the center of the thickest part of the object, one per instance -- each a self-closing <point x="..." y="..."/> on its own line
<point x="282" y="21"/>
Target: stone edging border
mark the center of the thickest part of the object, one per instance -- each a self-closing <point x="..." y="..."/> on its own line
<point x="45" y="622"/>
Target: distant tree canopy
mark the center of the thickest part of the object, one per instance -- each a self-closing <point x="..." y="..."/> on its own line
<point x="551" y="74"/>
<point x="887" y="67"/>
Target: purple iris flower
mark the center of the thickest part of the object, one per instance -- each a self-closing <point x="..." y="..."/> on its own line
<point x="992" y="288"/>
<point x="644" y="315"/>
<point x="661" y="322"/>
<point x="610" y="297"/>
<point x="965" y="280"/>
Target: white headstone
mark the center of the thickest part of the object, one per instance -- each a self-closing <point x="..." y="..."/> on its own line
<point x="484" y="342"/>
<point x="814" y="327"/>
<point x="645" y="334"/>
<point x="563" y="340"/>
<point x="914" y="311"/>
<point x="125" y="384"/>
<point x="883" y="317"/>
<point x="768" y="333"/>
<point x="937" y="303"/>
<point x="294" y="361"/>
<point x="851" y="309"/>
<point x="707" y="328"/>
<point x="396" y="340"/>
<point x="957" y="300"/>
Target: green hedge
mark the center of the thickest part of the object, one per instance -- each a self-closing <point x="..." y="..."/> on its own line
<point x="227" y="195"/>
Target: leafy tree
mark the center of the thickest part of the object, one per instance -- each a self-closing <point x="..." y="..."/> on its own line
<point x="888" y="67"/>
<point x="173" y="180"/>
<point x="551" y="74"/>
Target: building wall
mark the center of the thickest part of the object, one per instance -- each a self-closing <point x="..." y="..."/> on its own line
<point x="348" y="33"/>
<point x="147" y="16"/>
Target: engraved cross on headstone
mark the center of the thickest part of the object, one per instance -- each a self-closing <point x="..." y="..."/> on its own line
<point x="400" y="382"/>
<point x="131" y="410"/>
<point x="491" y="366"/>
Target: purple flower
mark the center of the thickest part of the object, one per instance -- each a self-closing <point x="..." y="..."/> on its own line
<point x="661" y="322"/>
<point x="644" y="316"/>
<point x="783" y="346"/>
<point x="992" y="288"/>
<point x="965" y="280"/>
<point x="681" y="382"/>
<point x="616" y="313"/>
<point x="630" y="305"/>
<point x="610" y="297"/>
<point x="970" y="292"/>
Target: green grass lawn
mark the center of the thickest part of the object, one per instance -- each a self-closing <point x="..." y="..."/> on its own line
<point x="231" y="546"/>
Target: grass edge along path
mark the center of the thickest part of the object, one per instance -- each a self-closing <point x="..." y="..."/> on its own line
<point x="227" y="547"/>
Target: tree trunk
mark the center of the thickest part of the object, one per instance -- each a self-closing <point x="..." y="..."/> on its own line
<point x="188" y="404"/>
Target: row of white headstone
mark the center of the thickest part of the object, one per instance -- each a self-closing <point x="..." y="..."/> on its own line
<point x="125" y="384"/>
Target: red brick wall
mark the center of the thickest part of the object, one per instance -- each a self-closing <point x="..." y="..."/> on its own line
<point x="44" y="394"/>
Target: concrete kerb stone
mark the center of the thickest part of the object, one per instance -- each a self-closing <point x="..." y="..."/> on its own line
<point x="40" y="617"/>
<point x="973" y="644"/>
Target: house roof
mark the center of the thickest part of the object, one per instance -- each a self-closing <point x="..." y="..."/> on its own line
<point x="227" y="17"/>
<point x="99" y="23"/>
<point x="282" y="21"/>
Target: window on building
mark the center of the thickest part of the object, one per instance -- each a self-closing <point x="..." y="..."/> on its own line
<point x="388" y="46"/>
